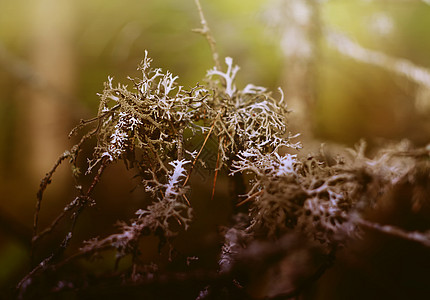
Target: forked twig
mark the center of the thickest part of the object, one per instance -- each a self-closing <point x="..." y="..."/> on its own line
<point x="206" y="32"/>
<point x="48" y="177"/>
<point x="64" y="244"/>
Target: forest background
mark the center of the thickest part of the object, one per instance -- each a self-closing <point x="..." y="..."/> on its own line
<point x="345" y="61"/>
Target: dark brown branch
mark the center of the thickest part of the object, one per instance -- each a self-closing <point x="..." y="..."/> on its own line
<point x="43" y="185"/>
<point x="47" y="180"/>
<point x="53" y="225"/>
<point x="96" y="178"/>
<point x="76" y="203"/>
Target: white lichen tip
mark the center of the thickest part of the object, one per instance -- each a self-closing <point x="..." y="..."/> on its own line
<point x="229" y="76"/>
<point x="173" y="185"/>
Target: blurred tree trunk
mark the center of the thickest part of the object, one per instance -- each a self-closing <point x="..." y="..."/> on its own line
<point x="52" y="58"/>
<point x="299" y="42"/>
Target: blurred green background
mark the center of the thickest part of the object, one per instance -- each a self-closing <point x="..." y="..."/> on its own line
<point x="56" y="54"/>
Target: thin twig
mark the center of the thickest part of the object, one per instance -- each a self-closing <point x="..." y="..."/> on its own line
<point x="256" y="194"/>
<point x="96" y="178"/>
<point x="216" y="174"/>
<point x="73" y="204"/>
<point x="201" y="149"/>
<point x="52" y="226"/>
<point x="42" y="265"/>
<point x="43" y="185"/>
<point x="206" y="32"/>
<point x="46" y="262"/>
<point x="47" y="179"/>
<point x="82" y="123"/>
<point x="186" y="200"/>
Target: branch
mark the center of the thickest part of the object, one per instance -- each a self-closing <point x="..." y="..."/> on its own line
<point x="76" y="203"/>
<point x="201" y="149"/>
<point x="216" y="173"/>
<point x="82" y="122"/>
<point x="415" y="236"/>
<point x="43" y="185"/>
<point x="47" y="180"/>
<point x="343" y="44"/>
<point x="206" y="32"/>
<point x="256" y="194"/>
